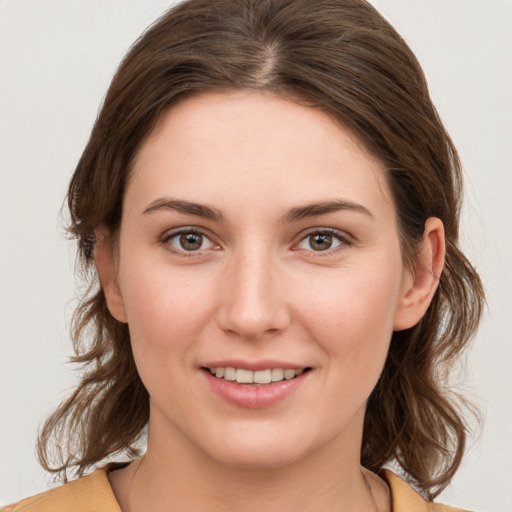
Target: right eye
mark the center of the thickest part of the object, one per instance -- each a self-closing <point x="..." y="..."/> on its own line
<point x="189" y="241"/>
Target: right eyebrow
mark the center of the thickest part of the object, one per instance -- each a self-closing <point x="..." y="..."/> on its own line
<point x="186" y="207"/>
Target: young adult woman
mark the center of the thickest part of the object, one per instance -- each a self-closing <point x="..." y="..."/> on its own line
<point x="268" y="212"/>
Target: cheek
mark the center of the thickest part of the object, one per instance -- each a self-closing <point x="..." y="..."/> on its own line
<point x="158" y="299"/>
<point x="351" y="319"/>
<point x="166" y="313"/>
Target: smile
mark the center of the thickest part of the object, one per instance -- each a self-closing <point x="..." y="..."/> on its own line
<point x="267" y="376"/>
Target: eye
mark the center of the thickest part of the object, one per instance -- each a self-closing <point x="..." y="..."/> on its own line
<point x="321" y="241"/>
<point x="189" y="241"/>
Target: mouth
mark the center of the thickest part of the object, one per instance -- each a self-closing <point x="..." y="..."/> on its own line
<point x="262" y="377"/>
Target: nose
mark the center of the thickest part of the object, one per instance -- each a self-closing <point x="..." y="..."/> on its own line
<point x="253" y="299"/>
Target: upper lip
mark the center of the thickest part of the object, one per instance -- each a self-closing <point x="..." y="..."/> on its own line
<point x="263" y="364"/>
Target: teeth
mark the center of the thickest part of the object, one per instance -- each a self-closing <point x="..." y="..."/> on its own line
<point x="289" y="374"/>
<point x="277" y="374"/>
<point x="244" y="376"/>
<point x="258" y="377"/>
<point x="262" y="377"/>
<point x="229" y="373"/>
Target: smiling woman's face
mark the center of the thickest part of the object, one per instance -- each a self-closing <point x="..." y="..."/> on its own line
<point x="258" y="241"/>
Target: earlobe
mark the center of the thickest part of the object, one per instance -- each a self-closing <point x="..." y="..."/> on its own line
<point x="420" y="287"/>
<point x="104" y="258"/>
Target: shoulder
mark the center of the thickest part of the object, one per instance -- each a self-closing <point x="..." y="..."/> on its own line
<point x="92" y="492"/>
<point x="406" y="499"/>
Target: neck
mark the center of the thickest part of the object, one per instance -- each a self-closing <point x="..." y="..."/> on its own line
<point x="173" y="477"/>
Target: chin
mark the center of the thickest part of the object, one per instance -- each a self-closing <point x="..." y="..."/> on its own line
<point x="259" y="451"/>
<point x="260" y="459"/>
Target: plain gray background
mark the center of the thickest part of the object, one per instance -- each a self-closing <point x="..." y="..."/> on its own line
<point x="56" y="60"/>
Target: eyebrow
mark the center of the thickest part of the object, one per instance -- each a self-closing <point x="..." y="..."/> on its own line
<point x="186" y="207"/>
<point x="312" y="210"/>
<point x="295" y="214"/>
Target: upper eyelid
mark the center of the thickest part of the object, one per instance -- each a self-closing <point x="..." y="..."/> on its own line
<point x="170" y="233"/>
<point x="343" y="235"/>
<point x="340" y="234"/>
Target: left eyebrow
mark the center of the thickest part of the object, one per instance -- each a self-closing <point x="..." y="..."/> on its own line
<point x="312" y="210"/>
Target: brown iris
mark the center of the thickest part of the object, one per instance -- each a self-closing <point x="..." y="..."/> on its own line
<point x="320" y="241"/>
<point x="191" y="241"/>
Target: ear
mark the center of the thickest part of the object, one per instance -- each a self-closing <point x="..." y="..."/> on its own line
<point x="106" y="267"/>
<point x="421" y="282"/>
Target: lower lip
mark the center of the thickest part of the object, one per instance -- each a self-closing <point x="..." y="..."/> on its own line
<point x="254" y="396"/>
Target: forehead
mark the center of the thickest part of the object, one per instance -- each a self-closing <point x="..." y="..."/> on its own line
<point x="256" y="146"/>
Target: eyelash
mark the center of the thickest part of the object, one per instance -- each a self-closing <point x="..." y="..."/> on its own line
<point x="343" y="240"/>
<point x="168" y="237"/>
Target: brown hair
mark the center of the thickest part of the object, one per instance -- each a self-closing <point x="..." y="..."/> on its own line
<point x="340" y="56"/>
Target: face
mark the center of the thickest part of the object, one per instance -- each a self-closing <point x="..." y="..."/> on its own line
<point x="258" y="242"/>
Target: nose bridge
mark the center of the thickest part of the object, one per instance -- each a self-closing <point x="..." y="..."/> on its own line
<point x="253" y="304"/>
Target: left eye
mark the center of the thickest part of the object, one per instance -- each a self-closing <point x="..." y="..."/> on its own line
<point x="320" y="241"/>
<point x="190" y="241"/>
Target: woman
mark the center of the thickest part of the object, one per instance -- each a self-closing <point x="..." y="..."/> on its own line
<point x="268" y="204"/>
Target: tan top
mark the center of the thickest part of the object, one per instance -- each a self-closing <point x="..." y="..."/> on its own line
<point x="93" y="493"/>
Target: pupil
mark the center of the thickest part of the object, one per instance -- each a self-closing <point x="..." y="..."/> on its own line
<point x="191" y="241"/>
<point x="321" y="242"/>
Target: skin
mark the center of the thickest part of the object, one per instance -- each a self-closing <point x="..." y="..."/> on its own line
<point x="258" y="288"/>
